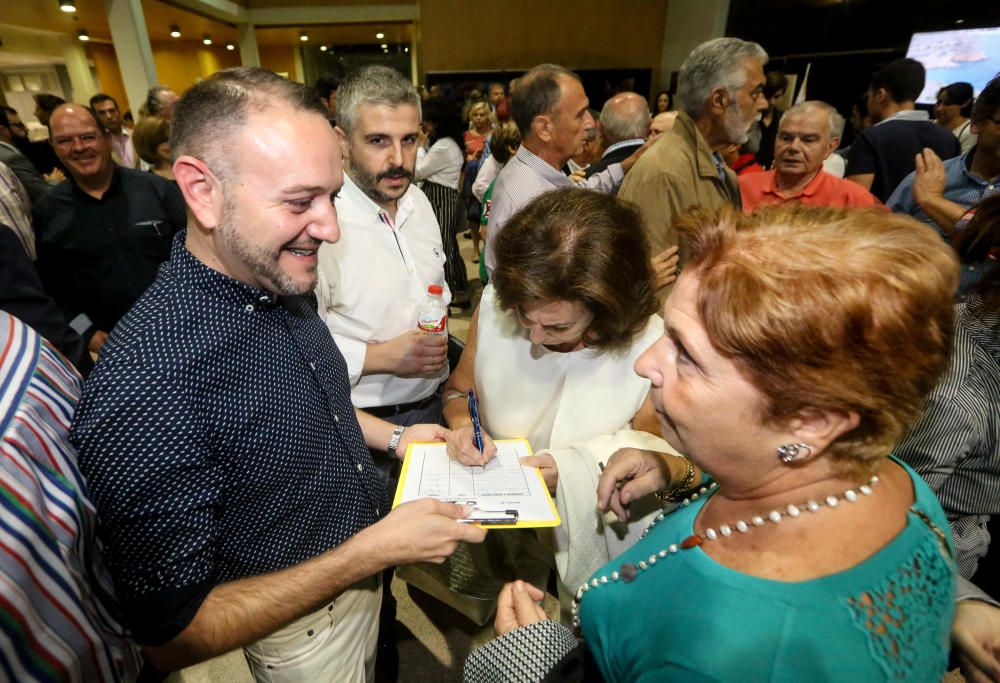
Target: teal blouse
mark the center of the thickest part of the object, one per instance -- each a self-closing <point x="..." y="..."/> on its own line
<point x="688" y="618"/>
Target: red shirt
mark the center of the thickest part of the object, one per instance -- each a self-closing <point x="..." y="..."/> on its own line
<point x="759" y="189"/>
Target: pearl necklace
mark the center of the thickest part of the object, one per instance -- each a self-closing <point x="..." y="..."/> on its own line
<point x="628" y="571"/>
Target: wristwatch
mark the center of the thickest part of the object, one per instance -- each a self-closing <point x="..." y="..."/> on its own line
<point x="397" y="434"/>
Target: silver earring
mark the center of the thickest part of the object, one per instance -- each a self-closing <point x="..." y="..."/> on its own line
<point x="794" y="452"/>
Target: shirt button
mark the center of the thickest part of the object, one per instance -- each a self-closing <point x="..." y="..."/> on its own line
<point x="249" y="308"/>
<point x="312" y="365"/>
<point x="378" y="512"/>
<point x="361" y="468"/>
<point x="336" y="418"/>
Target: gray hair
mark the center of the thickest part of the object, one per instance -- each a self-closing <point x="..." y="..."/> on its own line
<point x="210" y="111"/>
<point x="714" y="64"/>
<point x="372" y="85"/>
<point x="537" y="93"/>
<point x="625" y="118"/>
<point x="833" y="116"/>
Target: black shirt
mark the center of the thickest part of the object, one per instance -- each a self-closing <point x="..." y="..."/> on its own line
<point x="97" y="256"/>
<point x="888" y="150"/>
<point x="219" y="441"/>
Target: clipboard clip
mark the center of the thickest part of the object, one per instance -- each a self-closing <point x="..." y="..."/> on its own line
<point x="491" y="517"/>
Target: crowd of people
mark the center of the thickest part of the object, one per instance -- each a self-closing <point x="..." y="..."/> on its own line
<point x="759" y="372"/>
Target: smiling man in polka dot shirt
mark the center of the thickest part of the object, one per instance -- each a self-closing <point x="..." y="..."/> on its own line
<point x="237" y="496"/>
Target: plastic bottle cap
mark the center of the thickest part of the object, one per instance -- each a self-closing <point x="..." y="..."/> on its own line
<point x="435" y="289"/>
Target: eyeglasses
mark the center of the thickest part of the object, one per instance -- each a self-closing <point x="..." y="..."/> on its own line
<point x="87" y="139"/>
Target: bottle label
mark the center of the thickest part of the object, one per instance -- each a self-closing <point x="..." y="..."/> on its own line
<point x="432" y="324"/>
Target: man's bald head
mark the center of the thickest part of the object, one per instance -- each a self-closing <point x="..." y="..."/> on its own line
<point x="662" y="123"/>
<point x="624" y="117"/>
<point x="81" y="142"/>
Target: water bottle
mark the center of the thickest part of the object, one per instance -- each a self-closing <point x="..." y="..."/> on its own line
<point x="432" y="315"/>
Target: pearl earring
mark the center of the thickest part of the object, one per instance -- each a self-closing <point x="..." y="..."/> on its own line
<point x="794" y="452"/>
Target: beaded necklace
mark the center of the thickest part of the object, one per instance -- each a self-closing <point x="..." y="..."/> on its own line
<point x="628" y="571"/>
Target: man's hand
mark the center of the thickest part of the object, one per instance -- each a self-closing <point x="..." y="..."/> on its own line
<point x="665" y="268"/>
<point x="57" y="176"/>
<point x="412" y="353"/>
<point x="424" y="530"/>
<point x="975" y="635"/>
<point x="421" y="433"/>
<point x="634" y="157"/>
<point x="462" y="449"/>
<point x="97" y="342"/>
<point x="518" y="606"/>
<point x="547" y="465"/>
<point x="638" y="472"/>
<point x="929" y="181"/>
<point x="578" y="176"/>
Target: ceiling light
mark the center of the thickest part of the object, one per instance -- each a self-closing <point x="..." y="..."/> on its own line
<point x="960" y="21"/>
<point x="207" y="39"/>
<point x="406" y="49"/>
<point x="175" y="31"/>
<point x="83" y="35"/>
<point x="230" y="46"/>
<point x="322" y="48"/>
<point x="380" y="35"/>
<point x="303" y="36"/>
<point x="384" y="46"/>
<point x="67" y="5"/>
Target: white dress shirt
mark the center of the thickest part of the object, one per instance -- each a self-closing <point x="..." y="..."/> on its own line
<point x="441" y="163"/>
<point x="371" y="283"/>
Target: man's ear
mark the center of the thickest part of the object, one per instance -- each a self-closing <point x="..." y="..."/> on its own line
<point x="832" y="147"/>
<point x="542" y="127"/>
<point x="718" y="101"/>
<point x="345" y="147"/>
<point x="202" y="190"/>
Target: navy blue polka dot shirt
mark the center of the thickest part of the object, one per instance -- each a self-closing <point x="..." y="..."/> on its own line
<point x="218" y="440"/>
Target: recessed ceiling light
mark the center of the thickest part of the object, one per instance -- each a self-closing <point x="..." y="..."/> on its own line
<point x="406" y="49"/>
<point x="380" y="35"/>
<point x="303" y="36"/>
<point x="207" y="39"/>
<point x="960" y="21"/>
<point x="175" y="31"/>
<point x="230" y="46"/>
<point x="67" y="5"/>
<point x="83" y="35"/>
<point x="384" y="46"/>
<point x="322" y="48"/>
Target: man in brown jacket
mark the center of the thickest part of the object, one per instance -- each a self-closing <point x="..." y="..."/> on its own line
<point x="721" y="94"/>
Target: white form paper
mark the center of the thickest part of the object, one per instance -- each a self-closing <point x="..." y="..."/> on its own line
<point x="502" y="484"/>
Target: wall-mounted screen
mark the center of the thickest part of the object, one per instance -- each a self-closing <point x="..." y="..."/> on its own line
<point x="971" y="55"/>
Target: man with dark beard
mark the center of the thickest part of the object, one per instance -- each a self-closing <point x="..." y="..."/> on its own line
<point x="372" y="280"/>
<point x="239" y="502"/>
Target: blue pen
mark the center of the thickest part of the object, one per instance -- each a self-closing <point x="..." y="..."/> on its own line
<point x="477" y="428"/>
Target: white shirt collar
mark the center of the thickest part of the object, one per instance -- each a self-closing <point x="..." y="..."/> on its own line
<point x="908" y="115"/>
<point x="623" y="143"/>
<point x="353" y="193"/>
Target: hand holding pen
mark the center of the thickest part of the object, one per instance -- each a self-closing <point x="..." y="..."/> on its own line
<point x="469" y="444"/>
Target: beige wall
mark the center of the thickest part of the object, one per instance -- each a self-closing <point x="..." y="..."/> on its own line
<point x="108" y="76"/>
<point x="279" y="60"/>
<point x="459" y="36"/>
<point x="181" y="65"/>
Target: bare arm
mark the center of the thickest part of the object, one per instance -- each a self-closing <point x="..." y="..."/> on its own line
<point x="241" y="612"/>
<point x="378" y="432"/>
<point x="411" y="353"/>
<point x="456" y="411"/>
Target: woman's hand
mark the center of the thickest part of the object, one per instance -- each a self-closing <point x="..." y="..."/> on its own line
<point x="420" y="433"/>
<point x="462" y="449"/>
<point x="518" y="606"/>
<point x="664" y="268"/>
<point x="547" y="465"/>
<point x="975" y="635"/>
<point x="631" y="473"/>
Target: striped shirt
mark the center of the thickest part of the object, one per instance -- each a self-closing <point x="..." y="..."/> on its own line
<point x="57" y="609"/>
<point x="955" y="443"/>
<point x="15" y="209"/>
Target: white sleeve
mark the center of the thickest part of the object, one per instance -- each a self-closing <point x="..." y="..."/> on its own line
<point x="487" y="174"/>
<point x="431" y="161"/>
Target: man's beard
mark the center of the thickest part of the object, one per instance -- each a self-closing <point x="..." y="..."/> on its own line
<point x="259" y="260"/>
<point x="737" y="129"/>
<point x="368" y="181"/>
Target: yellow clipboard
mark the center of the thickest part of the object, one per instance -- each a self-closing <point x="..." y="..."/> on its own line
<point x="504" y="485"/>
